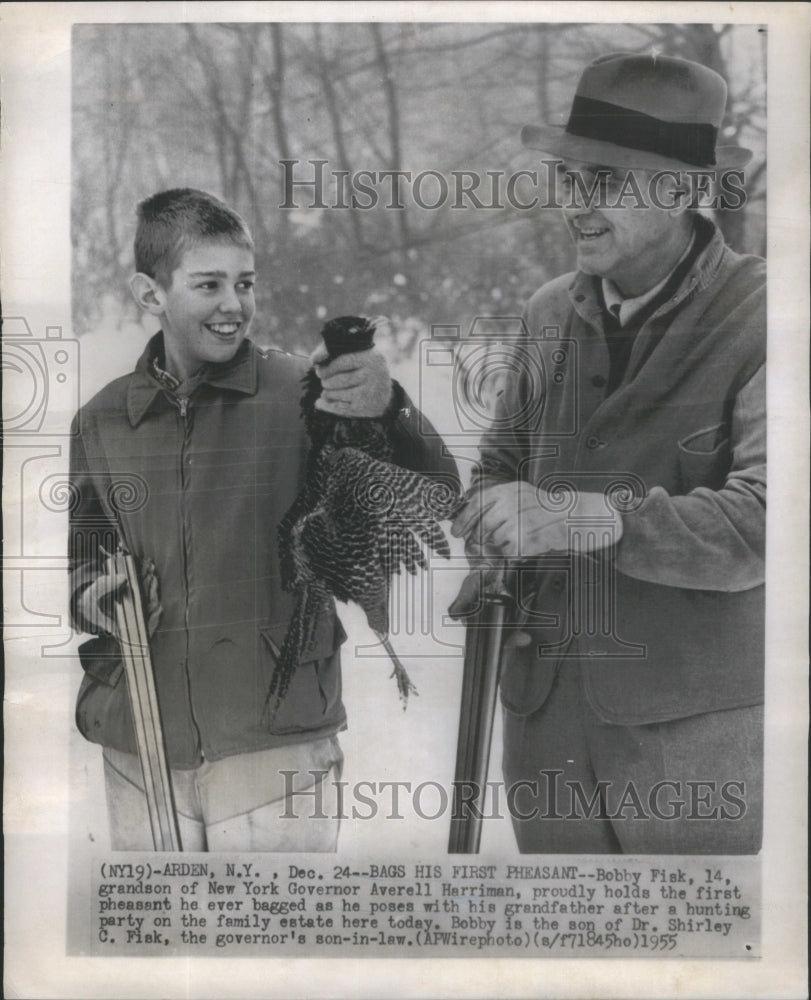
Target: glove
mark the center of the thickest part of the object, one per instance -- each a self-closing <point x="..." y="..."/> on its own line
<point x="353" y="385"/>
<point x="517" y="521"/>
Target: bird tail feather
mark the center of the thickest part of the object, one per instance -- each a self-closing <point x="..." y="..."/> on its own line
<point x="309" y="609"/>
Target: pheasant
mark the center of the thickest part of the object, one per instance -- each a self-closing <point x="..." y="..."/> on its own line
<point x="357" y="520"/>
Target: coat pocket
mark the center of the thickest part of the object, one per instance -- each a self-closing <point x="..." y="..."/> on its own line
<point x="526" y="679"/>
<point x="704" y="458"/>
<point x="102" y="708"/>
<point x="314" y="693"/>
<point x="527" y="674"/>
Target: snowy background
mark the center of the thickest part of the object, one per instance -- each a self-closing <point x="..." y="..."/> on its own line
<point x="217" y="106"/>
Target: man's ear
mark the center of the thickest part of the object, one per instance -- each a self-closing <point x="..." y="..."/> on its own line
<point x="675" y="194"/>
<point x="682" y="206"/>
<point x="147" y="293"/>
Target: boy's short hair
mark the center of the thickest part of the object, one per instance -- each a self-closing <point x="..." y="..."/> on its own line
<point x="170" y="222"/>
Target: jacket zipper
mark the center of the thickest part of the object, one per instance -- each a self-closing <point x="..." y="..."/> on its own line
<point x="183" y="406"/>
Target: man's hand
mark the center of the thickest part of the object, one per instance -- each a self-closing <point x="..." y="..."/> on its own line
<point x="517" y="521"/>
<point x="353" y="385"/>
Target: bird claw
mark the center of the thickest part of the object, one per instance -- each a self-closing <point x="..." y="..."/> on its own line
<point x="405" y="685"/>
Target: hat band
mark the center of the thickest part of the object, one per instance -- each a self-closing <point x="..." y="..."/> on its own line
<point x="691" y="142"/>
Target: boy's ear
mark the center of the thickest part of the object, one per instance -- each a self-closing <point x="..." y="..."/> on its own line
<point x="147" y="293"/>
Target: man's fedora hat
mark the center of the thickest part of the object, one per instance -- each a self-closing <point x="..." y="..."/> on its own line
<point x="646" y="111"/>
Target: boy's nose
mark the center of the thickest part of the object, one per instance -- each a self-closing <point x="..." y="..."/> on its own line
<point x="230" y="302"/>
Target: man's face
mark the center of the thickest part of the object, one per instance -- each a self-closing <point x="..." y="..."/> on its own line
<point x="208" y="307"/>
<point x="628" y="239"/>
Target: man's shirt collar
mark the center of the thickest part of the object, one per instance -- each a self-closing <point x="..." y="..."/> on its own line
<point x="585" y="290"/>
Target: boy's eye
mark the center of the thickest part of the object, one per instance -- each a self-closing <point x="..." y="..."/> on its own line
<point x="212" y="285"/>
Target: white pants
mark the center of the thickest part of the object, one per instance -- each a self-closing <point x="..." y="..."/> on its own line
<point x="284" y="799"/>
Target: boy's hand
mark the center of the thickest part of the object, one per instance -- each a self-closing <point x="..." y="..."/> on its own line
<point x="95" y="603"/>
<point x="152" y="605"/>
<point x="353" y="385"/>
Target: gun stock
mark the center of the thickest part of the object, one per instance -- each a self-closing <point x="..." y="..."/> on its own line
<point x="133" y="639"/>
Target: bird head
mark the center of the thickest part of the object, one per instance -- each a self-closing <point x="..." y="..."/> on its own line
<point x="347" y="335"/>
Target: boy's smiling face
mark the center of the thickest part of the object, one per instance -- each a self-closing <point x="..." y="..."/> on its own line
<point x="207" y="309"/>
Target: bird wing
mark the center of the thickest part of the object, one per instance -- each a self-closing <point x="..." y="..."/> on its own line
<point x="400" y="507"/>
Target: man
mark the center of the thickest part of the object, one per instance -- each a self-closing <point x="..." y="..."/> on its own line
<point x="631" y="510"/>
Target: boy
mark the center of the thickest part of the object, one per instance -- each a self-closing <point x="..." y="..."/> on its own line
<point x="191" y="461"/>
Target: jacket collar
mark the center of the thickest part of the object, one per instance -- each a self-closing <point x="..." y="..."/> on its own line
<point x="586" y="299"/>
<point x="238" y="375"/>
<point x="624" y="307"/>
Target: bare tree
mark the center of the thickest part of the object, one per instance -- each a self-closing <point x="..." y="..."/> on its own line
<point x="275" y="83"/>
<point x="392" y="110"/>
<point x="218" y="105"/>
<point x="226" y="125"/>
<point x="324" y="69"/>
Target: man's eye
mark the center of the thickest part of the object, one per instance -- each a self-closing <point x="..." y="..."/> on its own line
<point x="246" y="285"/>
<point x="207" y="285"/>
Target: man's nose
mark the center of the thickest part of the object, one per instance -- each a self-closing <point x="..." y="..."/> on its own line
<point x="575" y="198"/>
<point x="575" y="211"/>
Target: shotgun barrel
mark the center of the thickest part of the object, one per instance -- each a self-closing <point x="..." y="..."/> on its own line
<point x="482" y="667"/>
<point x="133" y="639"/>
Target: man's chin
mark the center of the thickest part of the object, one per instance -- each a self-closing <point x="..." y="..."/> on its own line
<point x="588" y="265"/>
<point x="594" y="260"/>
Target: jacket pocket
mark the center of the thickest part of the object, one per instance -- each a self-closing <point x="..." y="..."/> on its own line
<point x="704" y="458"/>
<point x="527" y="674"/>
<point x="314" y="693"/>
<point x="102" y="709"/>
<point x="526" y="680"/>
